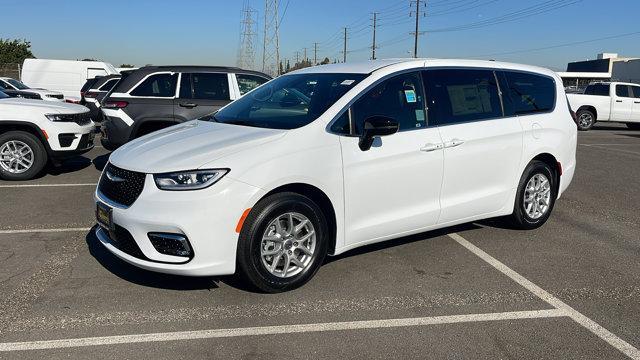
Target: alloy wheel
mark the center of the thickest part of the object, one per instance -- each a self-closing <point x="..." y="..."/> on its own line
<point x="16" y="157"/>
<point x="537" y="196"/>
<point x="288" y="244"/>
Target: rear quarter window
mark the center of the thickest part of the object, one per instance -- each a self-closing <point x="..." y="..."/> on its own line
<point x="597" y="90"/>
<point x="530" y="93"/>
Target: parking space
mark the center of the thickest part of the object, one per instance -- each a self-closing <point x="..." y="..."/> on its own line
<point x="474" y="291"/>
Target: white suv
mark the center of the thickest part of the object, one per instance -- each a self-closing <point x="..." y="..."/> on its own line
<point x="13" y="84"/>
<point x="33" y="132"/>
<point x="334" y="157"/>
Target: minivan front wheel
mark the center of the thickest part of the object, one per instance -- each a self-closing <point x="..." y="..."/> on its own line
<point x="537" y="192"/>
<point x="282" y="243"/>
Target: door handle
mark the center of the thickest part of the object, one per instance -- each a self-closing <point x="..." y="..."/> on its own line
<point x="188" y="105"/>
<point x="618" y="100"/>
<point x="636" y="102"/>
<point x="453" y="143"/>
<point x="431" y="147"/>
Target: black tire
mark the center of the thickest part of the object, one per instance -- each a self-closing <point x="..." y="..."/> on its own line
<point x="520" y="219"/>
<point x="633" y="126"/>
<point x="39" y="155"/>
<point x="586" y="119"/>
<point x="250" y="266"/>
<point x="107" y="145"/>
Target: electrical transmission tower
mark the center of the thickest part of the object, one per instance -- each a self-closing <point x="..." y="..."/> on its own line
<point x="248" y="36"/>
<point x="418" y="12"/>
<point x="271" y="38"/>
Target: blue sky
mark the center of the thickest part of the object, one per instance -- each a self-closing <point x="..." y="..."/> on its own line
<point x="207" y="31"/>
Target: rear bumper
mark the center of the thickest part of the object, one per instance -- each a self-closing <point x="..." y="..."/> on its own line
<point x="115" y="131"/>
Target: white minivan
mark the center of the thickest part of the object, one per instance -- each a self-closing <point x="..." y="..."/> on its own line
<point x="334" y="157"/>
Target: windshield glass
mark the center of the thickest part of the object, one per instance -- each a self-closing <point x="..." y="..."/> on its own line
<point x="19" y="85"/>
<point x="288" y="102"/>
<point x="3" y="95"/>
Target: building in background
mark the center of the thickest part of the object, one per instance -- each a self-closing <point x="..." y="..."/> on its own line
<point x="606" y="67"/>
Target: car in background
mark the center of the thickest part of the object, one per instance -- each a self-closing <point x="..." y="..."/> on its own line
<point x="94" y="91"/>
<point x="64" y="76"/>
<point x="24" y="94"/>
<point x="13" y="84"/>
<point x="607" y="101"/>
<point x="155" y="97"/>
<point x="35" y="132"/>
<point x="330" y="158"/>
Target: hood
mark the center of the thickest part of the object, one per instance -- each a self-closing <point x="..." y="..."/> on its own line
<point x="45" y="106"/>
<point x="189" y="146"/>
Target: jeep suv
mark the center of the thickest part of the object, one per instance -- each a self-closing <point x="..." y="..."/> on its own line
<point x="94" y="91"/>
<point x="35" y="132"/>
<point x="155" y="97"/>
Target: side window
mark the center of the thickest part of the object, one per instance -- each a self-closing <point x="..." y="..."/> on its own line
<point x="342" y="125"/>
<point x="210" y="86"/>
<point x="400" y="97"/>
<point x="636" y="91"/>
<point x="530" y="93"/>
<point x="622" y="91"/>
<point x="186" y="92"/>
<point x="4" y="86"/>
<point x="462" y="95"/>
<point x="597" y="89"/>
<point x="248" y="82"/>
<point x="159" y="85"/>
<point x="108" y="85"/>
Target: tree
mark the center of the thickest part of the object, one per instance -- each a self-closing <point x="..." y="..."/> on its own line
<point x="325" y="61"/>
<point x="14" y="51"/>
<point x="129" y="66"/>
<point x="88" y="59"/>
<point x="288" y="68"/>
<point x="280" y="68"/>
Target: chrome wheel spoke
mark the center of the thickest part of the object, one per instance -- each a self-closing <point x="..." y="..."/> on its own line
<point x="305" y="250"/>
<point x="537" y="196"/>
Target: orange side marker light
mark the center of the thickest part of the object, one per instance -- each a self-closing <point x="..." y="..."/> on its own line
<point x="242" y="219"/>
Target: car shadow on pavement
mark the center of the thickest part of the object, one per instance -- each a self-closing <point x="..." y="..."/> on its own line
<point x="400" y="241"/>
<point x="101" y="161"/>
<point x="73" y="164"/>
<point x="143" y="277"/>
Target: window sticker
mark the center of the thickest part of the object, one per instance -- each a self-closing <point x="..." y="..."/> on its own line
<point x="347" y="82"/>
<point x="410" y="95"/>
<point x="420" y="116"/>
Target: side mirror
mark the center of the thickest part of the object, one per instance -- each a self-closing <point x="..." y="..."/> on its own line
<point x="376" y="126"/>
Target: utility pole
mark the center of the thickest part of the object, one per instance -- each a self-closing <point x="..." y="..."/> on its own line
<point x="344" y="51"/>
<point x="417" y="33"/>
<point x="297" y="57"/>
<point x="373" y="45"/>
<point x="315" y="53"/>
<point x="306" y="59"/>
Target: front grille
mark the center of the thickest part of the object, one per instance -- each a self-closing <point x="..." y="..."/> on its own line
<point x="80" y="119"/>
<point x="56" y="96"/>
<point x="121" y="186"/>
<point x="123" y="241"/>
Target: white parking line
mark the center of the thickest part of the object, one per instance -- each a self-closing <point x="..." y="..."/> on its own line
<point x="33" y="231"/>
<point x="279" y="329"/>
<point x="611" y="150"/>
<point x="591" y="325"/>
<point x="46" y="185"/>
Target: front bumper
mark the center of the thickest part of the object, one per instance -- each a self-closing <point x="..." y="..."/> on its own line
<point x="207" y="217"/>
<point x="82" y="138"/>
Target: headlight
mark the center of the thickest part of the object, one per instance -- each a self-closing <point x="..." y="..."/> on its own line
<point x="55" y="117"/>
<point x="189" y="180"/>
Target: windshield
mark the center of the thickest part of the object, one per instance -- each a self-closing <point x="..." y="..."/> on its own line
<point x="288" y="102"/>
<point x="19" y="85"/>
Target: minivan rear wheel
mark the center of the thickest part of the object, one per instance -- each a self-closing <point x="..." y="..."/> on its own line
<point x="283" y="242"/>
<point x="536" y="196"/>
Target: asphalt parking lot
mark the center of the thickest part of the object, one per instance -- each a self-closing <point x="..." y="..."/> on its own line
<point x="568" y="290"/>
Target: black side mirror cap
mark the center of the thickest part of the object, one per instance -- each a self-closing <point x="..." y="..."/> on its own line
<point x="376" y="126"/>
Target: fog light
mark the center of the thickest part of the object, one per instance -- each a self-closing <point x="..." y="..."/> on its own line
<point x="171" y="244"/>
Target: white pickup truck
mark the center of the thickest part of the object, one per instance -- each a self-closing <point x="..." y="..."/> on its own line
<point x="607" y="101"/>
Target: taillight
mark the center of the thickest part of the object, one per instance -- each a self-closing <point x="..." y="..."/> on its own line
<point x="72" y="101"/>
<point x="91" y="94"/>
<point x="115" y="104"/>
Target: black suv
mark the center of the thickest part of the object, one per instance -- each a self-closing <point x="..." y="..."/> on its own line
<point x="94" y="91"/>
<point x="155" y="97"/>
